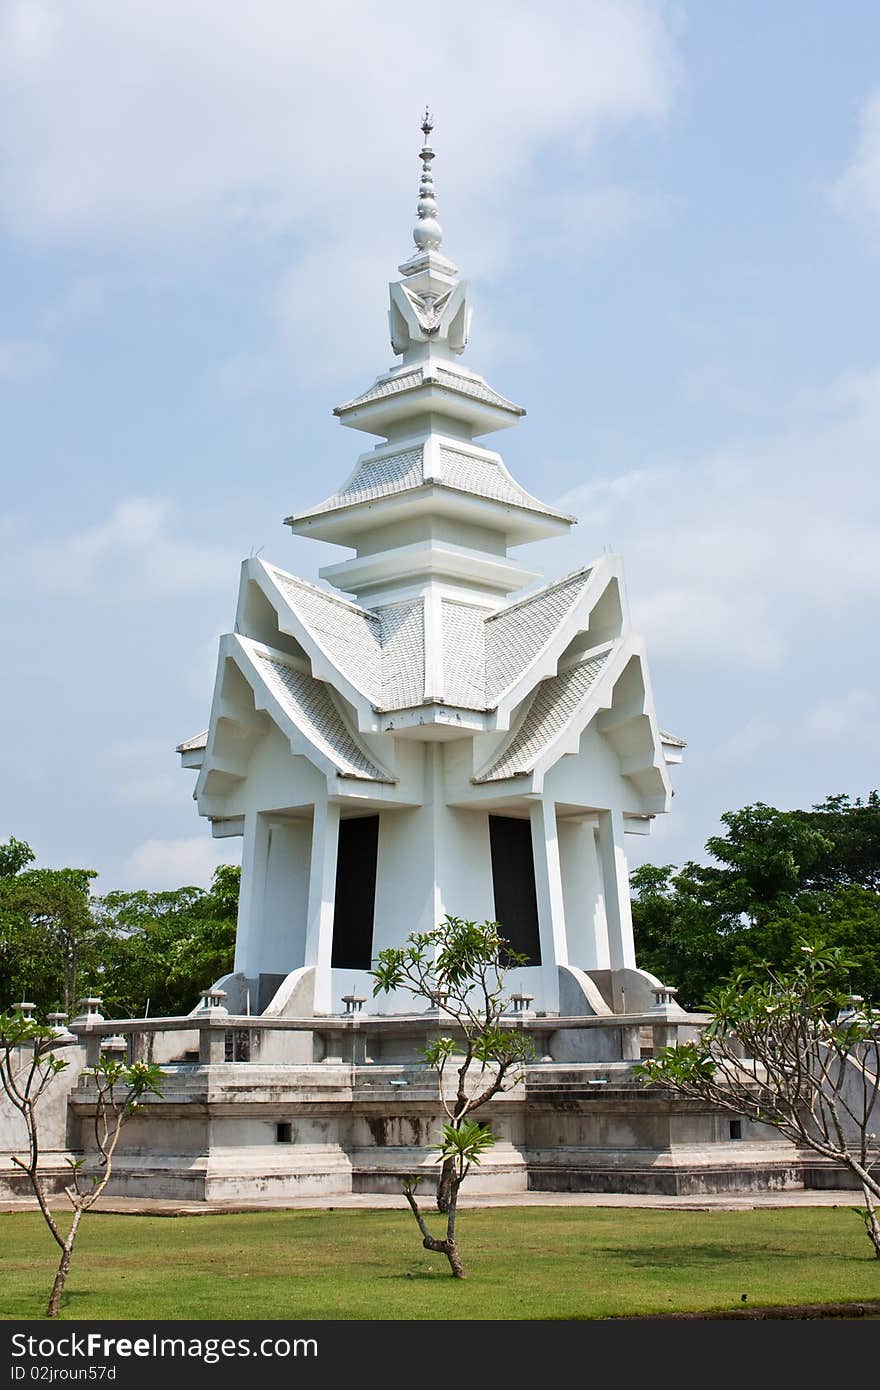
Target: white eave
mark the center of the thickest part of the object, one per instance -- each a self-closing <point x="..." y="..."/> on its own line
<point x="456" y="394"/>
<point x="192" y="750"/>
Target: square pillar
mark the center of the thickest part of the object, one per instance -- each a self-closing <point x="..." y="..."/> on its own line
<point x="254" y="866"/>
<point x="585" y="926"/>
<point x="548" y="887"/>
<point x="615" y="878"/>
<point x="322" y="901"/>
<point x="212" y="1046"/>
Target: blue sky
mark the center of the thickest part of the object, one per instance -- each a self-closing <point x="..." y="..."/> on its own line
<point x="670" y="215"/>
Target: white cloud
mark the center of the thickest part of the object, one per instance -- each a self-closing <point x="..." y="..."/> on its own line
<point x="856" y="194"/>
<point x="22" y="359"/>
<point x="137" y="551"/>
<point x="145" y="772"/>
<point x="159" y="864"/>
<point x="144" y="123"/>
<point x="580" y="223"/>
<point x="853" y="716"/>
<point x="733" y="558"/>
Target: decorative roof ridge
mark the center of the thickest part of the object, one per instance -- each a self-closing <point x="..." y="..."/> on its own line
<point x="584" y="570"/>
<point x="597" y="653"/>
<point x="316" y="588"/>
<point x="373" y="770"/>
<point x="671" y="738"/>
<point x="197" y="741"/>
<point x="265" y="650"/>
<point x="536" y="710"/>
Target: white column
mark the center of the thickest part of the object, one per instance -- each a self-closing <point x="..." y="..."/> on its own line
<point x="254" y="864"/>
<point x="322" y="899"/>
<point x="615" y="877"/>
<point x="585" y="927"/>
<point x="551" y="910"/>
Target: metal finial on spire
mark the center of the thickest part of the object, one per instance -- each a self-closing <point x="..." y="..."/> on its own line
<point x="427" y="233"/>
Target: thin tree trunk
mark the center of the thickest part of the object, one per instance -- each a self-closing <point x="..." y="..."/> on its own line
<point x="445" y="1247"/>
<point x="64" y="1266"/>
<point x="451" y="1248"/>
<point x="872" y="1224"/>
<point x="444" y="1185"/>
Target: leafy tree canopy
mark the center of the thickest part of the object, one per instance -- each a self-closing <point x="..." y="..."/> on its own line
<point x="57" y="943"/>
<point x="777" y="877"/>
<point x="163" y="948"/>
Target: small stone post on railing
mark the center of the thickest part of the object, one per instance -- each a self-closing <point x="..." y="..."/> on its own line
<point x="115" y="1048"/>
<point x="90" y="1012"/>
<point x="664" y="1032"/>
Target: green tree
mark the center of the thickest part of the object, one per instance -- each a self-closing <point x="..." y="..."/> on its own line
<point x="162" y="948"/>
<point x="774" y="875"/>
<point x="50" y="945"/>
<point x="786" y="1048"/>
<point x="461" y="968"/>
<point x="851" y="828"/>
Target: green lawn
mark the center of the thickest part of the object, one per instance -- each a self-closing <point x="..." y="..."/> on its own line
<point x="522" y="1262"/>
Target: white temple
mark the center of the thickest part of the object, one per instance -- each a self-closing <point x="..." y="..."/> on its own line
<point x="430" y="744"/>
<point x="439" y="737"/>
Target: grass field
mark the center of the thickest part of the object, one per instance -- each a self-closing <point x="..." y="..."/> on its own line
<point x="522" y="1262"/>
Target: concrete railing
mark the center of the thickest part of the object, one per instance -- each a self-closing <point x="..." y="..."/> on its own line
<point x="358" y="1038"/>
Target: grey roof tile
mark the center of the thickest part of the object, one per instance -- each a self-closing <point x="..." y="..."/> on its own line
<point x="351" y="636"/>
<point x="453" y="381"/>
<point x="381" y="652"/>
<point x="309" y="704"/>
<point x="404" y="472"/>
<point x="381" y="477"/>
<point x="464" y="655"/>
<point x="553" y="706"/>
<point x="473" y="473"/>
<point x="516" y="634"/>
<point x="403" y="654"/>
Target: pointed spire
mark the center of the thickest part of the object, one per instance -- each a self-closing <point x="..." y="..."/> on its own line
<point x="427" y="233"/>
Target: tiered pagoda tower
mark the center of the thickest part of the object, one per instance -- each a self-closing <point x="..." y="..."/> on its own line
<point x="430" y="744"/>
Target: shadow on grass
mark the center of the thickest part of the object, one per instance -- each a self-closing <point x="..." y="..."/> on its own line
<point x="663" y="1256"/>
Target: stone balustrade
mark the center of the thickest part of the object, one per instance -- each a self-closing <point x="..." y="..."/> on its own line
<point x="358" y="1038"/>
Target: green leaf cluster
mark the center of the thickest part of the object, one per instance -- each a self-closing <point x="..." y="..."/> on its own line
<point x="58" y="943"/>
<point x="776" y="877"/>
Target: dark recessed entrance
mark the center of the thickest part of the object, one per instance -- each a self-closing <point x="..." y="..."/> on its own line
<point x="355" y="893"/>
<point x="513" y="878"/>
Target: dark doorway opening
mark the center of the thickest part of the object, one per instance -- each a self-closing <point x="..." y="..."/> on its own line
<point x="513" y="879"/>
<point x="355" y="893"/>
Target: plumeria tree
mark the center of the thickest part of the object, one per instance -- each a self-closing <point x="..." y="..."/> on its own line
<point x="28" y="1066"/>
<point x="460" y="967"/>
<point x="792" y="1050"/>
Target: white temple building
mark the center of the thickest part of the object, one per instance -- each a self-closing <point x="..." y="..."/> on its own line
<point x="439" y="735"/>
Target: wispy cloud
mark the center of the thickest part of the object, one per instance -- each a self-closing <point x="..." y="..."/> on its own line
<point x="158" y="864"/>
<point x="23" y="359"/>
<point x="854" y="715"/>
<point x="733" y="557"/>
<point x="140" y="550"/>
<point x="856" y="194"/>
<point x="220" y="134"/>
